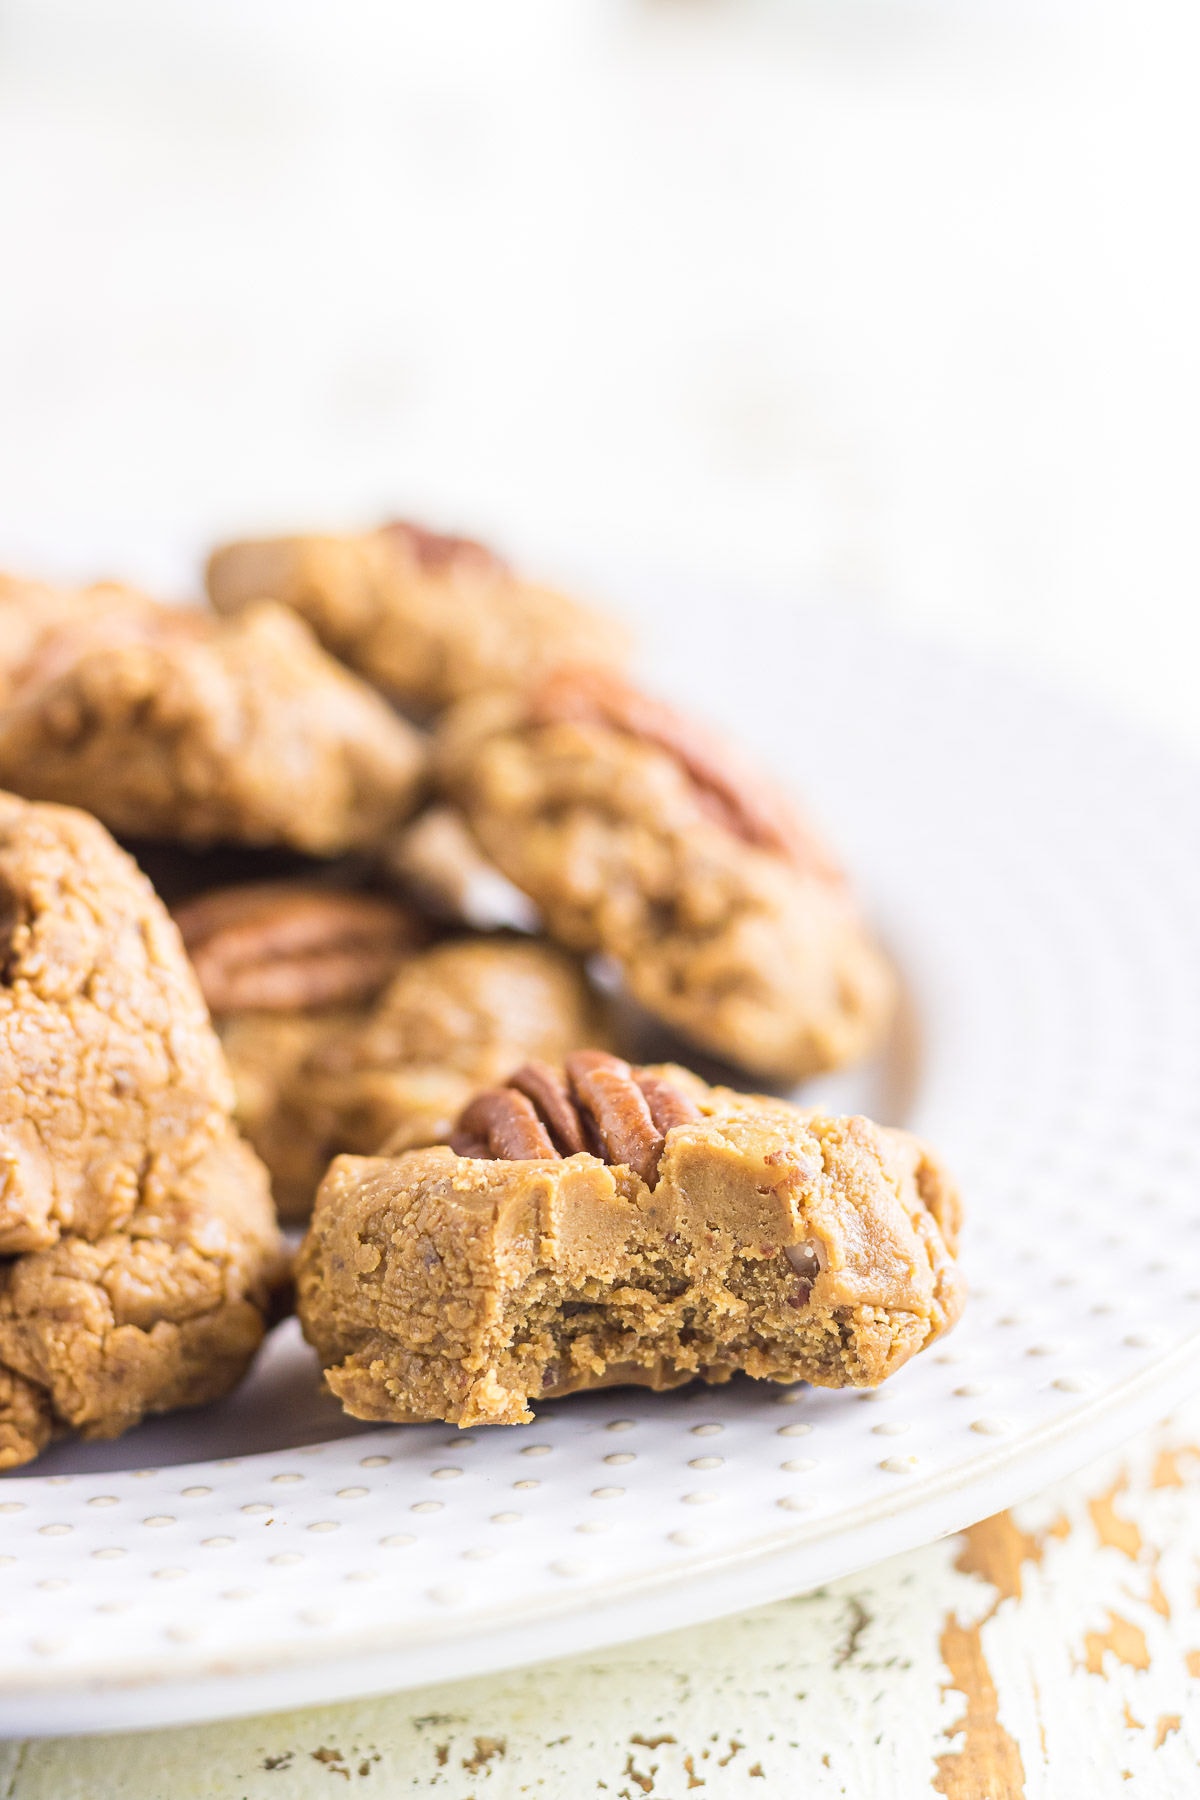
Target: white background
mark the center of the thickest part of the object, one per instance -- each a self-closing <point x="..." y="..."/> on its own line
<point x="879" y="300"/>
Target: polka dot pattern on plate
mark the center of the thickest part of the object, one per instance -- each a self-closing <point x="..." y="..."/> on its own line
<point x="1035" y="873"/>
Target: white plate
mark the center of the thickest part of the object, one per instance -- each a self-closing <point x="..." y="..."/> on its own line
<point x="1037" y="873"/>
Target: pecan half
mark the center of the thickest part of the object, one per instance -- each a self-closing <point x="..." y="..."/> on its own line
<point x="502" y="1124"/>
<point x="667" y="1105"/>
<point x="743" y="802"/>
<point x="597" y="1103"/>
<point x="616" y="1109"/>
<point x="552" y="1097"/>
<point x="437" y="550"/>
<point x="285" y="947"/>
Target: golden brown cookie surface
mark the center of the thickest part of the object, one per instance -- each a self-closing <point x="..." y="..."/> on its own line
<point x="638" y="835"/>
<point x="699" y="1233"/>
<point x="427" y="618"/>
<point x="343" y="1030"/>
<point x="138" y="1229"/>
<point x="170" y="722"/>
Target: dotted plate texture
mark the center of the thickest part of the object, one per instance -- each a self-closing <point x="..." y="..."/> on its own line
<point x="1036" y="872"/>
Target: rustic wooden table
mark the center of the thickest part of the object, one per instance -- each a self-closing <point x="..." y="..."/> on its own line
<point x="1048" y="1652"/>
<point x="997" y="445"/>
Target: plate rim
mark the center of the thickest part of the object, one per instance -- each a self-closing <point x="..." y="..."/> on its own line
<point x="585" y="1617"/>
<point x="777" y="1567"/>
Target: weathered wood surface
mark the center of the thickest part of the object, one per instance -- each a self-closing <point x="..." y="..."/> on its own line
<point x="1052" y="1651"/>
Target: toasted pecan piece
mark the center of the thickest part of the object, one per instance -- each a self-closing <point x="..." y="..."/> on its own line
<point x="733" y="794"/>
<point x="641" y="839"/>
<point x="607" y="1094"/>
<point x="780" y="1242"/>
<point x="598" y="1102"/>
<point x="502" y="1124"/>
<point x="669" y="1106"/>
<point x="435" y="550"/>
<point x="286" y="946"/>
<point x="548" y="1090"/>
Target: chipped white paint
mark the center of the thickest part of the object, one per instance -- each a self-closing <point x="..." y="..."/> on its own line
<point x="1072" y="1622"/>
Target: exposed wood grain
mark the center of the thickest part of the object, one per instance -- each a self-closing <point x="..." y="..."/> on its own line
<point x="1166" y="1471"/>
<point x="1123" y="1640"/>
<point x="1157" y="1600"/>
<point x="989" y="1762"/>
<point x="996" y="1549"/>
<point x="1053" y="1650"/>
<point x="1168" y="1465"/>
<point x="1111" y="1528"/>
